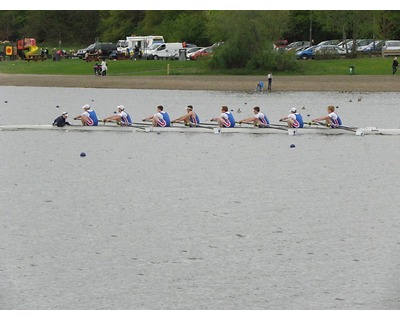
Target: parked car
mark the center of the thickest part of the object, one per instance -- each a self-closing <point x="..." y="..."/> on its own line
<point x="328" y="42"/>
<point x="281" y="44"/>
<point x="106" y="49"/>
<point x="320" y="50"/>
<point x="307" y="53"/>
<point x="348" y="43"/>
<point x="162" y="50"/>
<point x="374" y="47"/>
<point x="391" y="47"/>
<point x="329" y="50"/>
<point x="81" y="52"/>
<point x="189" y="51"/>
<point x="297" y="44"/>
<point x="202" y="53"/>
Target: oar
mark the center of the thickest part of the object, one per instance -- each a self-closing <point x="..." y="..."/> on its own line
<point x="353" y="129"/>
<point x="142" y="123"/>
<point x="270" y="126"/>
<point x="196" y="125"/>
<point x="133" y="125"/>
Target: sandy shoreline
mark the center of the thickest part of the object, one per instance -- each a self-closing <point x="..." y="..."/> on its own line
<point x="348" y="83"/>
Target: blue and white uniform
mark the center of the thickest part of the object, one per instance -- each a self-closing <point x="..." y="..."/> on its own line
<point x="125" y="119"/>
<point x="163" y="119"/>
<point x="91" y="118"/>
<point x="335" y="120"/>
<point x="297" y="120"/>
<point x="194" y="120"/>
<point x="262" y="118"/>
<point x="229" y="120"/>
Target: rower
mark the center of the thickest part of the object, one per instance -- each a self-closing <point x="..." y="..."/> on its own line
<point x="122" y="118"/>
<point x="226" y="118"/>
<point x="259" y="119"/>
<point x="159" y="119"/>
<point x="190" y="118"/>
<point x="88" y="117"/>
<point x="332" y="119"/>
<point x="294" y="119"/>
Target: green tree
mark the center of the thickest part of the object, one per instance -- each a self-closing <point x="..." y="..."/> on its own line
<point x="67" y="26"/>
<point x="387" y="23"/>
<point x="248" y="38"/>
<point x="351" y="24"/>
<point x="115" y="25"/>
<point x="11" y="22"/>
<point x="177" y="26"/>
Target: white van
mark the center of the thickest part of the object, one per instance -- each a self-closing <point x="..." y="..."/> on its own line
<point x="122" y="45"/>
<point x="162" y="51"/>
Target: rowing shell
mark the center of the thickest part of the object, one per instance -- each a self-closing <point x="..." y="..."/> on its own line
<point x="203" y="129"/>
<point x="12" y="127"/>
<point x="274" y="130"/>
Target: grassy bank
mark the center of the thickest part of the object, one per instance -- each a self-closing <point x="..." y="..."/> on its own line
<point x="363" y="66"/>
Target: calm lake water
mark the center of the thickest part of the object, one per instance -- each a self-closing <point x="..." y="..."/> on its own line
<point x="198" y="221"/>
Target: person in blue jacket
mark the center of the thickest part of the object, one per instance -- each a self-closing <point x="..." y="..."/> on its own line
<point x="226" y="118"/>
<point x="159" y="119"/>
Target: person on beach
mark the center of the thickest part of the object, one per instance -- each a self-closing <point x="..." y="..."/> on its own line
<point x="121" y="117"/>
<point x="259" y="119"/>
<point x="294" y="119"/>
<point x="226" y="118"/>
<point x="260" y="86"/>
<point x="332" y="119"/>
<point x="97" y="69"/>
<point x="190" y="118"/>
<point x="269" y="78"/>
<point x="104" y="68"/>
<point x="61" y="121"/>
<point x="159" y="119"/>
<point x="88" y="117"/>
<point x="395" y="65"/>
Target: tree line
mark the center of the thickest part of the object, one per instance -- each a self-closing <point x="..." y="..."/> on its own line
<point x="248" y="35"/>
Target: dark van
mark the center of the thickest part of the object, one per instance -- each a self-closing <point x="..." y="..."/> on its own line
<point x="106" y="49"/>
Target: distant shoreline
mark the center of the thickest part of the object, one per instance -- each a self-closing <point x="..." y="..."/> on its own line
<point x="345" y="83"/>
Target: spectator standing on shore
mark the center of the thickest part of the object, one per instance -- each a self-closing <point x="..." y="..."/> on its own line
<point x="395" y="65"/>
<point x="136" y="53"/>
<point x="104" y="68"/>
<point x="269" y="77"/>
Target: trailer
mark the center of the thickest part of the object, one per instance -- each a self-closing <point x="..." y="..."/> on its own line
<point x="140" y="43"/>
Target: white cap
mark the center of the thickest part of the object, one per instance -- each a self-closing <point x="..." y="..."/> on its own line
<point x="121" y="107"/>
<point x="65" y="113"/>
<point x="293" y="110"/>
<point x="86" y="106"/>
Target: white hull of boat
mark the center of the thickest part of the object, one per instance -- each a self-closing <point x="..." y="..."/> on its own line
<point x="210" y="129"/>
<point x="12" y="127"/>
